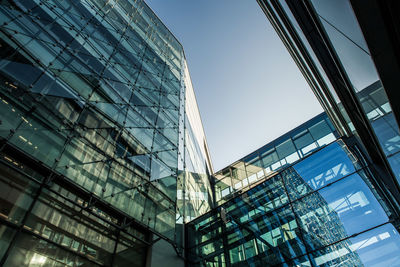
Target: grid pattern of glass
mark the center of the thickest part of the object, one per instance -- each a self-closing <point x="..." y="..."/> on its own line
<point x="348" y="41"/>
<point x="274" y="156"/>
<point x="95" y="91"/>
<point x="48" y="225"/>
<point x="320" y="211"/>
<point x="195" y="197"/>
<point x="340" y="24"/>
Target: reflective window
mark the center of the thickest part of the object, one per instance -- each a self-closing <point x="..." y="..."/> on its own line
<point x="319" y="212"/>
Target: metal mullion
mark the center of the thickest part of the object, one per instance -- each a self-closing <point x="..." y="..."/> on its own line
<point x="58" y="245"/>
<point x="325" y="52"/>
<point x="22" y="224"/>
<point x="225" y="245"/>
<point x="33" y="203"/>
<point x="314" y="70"/>
<point x="114" y="254"/>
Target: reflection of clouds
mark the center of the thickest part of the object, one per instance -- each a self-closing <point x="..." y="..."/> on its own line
<point x="369" y="241"/>
<point x="325" y="166"/>
<point x="349" y="202"/>
<point x="330" y="174"/>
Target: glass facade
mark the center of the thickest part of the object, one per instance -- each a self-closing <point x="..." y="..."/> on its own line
<point x="195" y="196"/>
<point x="267" y="160"/>
<point x="103" y="154"/>
<point x="320" y="211"/>
<point x="98" y="94"/>
<point x="53" y="226"/>
<point x="346" y="38"/>
<point x="328" y="45"/>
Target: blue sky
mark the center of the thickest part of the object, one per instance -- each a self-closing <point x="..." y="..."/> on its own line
<point x="248" y="89"/>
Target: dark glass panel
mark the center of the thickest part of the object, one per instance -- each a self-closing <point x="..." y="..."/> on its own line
<point x="130" y="252"/>
<point x="32" y="251"/>
<point x="16" y="193"/>
<point x="285" y="149"/>
<point x="6" y="236"/>
<point x="57" y="220"/>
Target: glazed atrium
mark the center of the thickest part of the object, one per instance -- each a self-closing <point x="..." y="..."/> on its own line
<point x="104" y="160"/>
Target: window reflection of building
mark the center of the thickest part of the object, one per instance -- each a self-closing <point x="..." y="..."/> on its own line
<point x="269" y="159"/>
<point x="313" y="213"/>
<point x="97" y="95"/>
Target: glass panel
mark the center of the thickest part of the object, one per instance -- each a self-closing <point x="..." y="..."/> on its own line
<point x="327" y="139"/>
<point x="320" y="130"/>
<point x="377" y="247"/>
<point x="285" y="148"/>
<point x="31" y="251"/>
<point x="6" y="236"/>
<point x="16" y="194"/>
<point x="303" y="140"/>
<point x="387" y="133"/>
<point x="57" y="220"/>
<point x="129" y="252"/>
<point x="268" y="195"/>
<point x="338" y="211"/>
<point x="395" y="164"/>
<point x="269" y="158"/>
<point x="319" y="169"/>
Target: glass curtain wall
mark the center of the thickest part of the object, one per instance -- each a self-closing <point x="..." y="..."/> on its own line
<point x="274" y="156"/>
<point x="321" y="211"/>
<point x="53" y="226"/>
<point x="195" y="196"/>
<point x="340" y="25"/>
<point x="99" y="93"/>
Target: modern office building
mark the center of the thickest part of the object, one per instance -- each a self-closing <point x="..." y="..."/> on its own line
<point x="267" y="160"/>
<point x="306" y="199"/>
<point x="348" y="52"/>
<point x="104" y="161"/>
<point x="103" y="154"/>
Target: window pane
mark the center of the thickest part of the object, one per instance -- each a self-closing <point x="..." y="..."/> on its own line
<point x="285" y="149"/>
<point x="16" y="194"/>
<point x="31" y="251"/>
<point x="6" y="235"/>
<point x="338" y="211"/>
<point x="377" y="247"/>
<point x="320" y="130"/>
<point x="323" y="167"/>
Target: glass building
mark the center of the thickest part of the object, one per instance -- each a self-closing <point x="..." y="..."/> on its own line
<point x="324" y="208"/>
<point x="348" y="52"/>
<point x="269" y="159"/>
<point x="103" y="154"/>
<point x="104" y="161"/>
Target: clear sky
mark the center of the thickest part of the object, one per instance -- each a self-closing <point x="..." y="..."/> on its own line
<point x="248" y="88"/>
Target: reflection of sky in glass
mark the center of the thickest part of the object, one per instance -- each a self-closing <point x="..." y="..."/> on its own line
<point x="378" y="247"/>
<point x="354" y="203"/>
<point x="343" y="30"/>
<point x="325" y="166"/>
<point x="329" y="205"/>
<point x="340" y="14"/>
<point x="346" y="37"/>
<point x="350" y="198"/>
